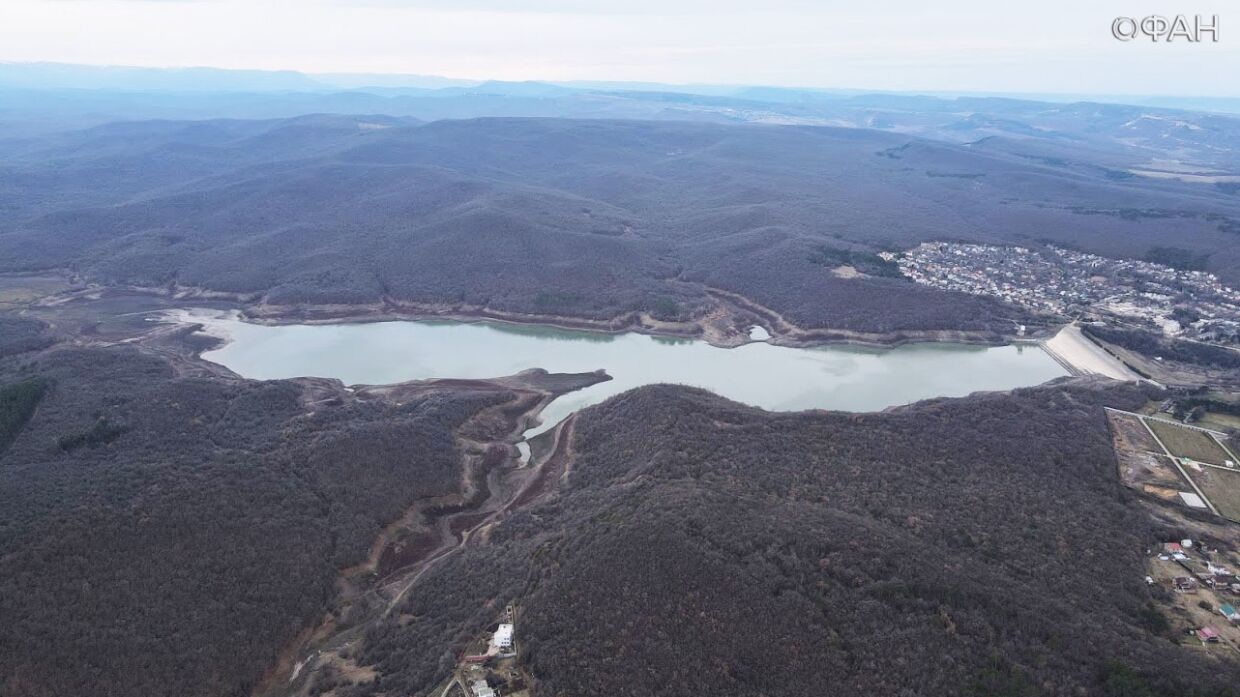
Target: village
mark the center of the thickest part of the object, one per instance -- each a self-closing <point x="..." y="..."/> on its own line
<point x="1206" y="589"/>
<point x="490" y="665"/>
<point x="1194" y="473"/>
<point x="1189" y="304"/>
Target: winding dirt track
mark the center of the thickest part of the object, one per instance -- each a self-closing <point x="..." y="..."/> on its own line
<point x="504" y="490"/>
<point x="546" y="474"/>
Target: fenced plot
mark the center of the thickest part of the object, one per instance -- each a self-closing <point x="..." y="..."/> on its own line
<point x="1191" y="443"/>
<point x="1222" y="487"/>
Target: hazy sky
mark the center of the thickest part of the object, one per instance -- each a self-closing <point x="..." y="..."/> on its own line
<point x="1060" y="46"/>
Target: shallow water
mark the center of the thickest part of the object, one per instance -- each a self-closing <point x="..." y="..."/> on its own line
<point x="772" y="377"/>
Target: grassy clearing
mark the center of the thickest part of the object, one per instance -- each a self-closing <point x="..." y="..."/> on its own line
<point x="1132" y="433"/>
<point x="1221" y="487"/>
<point x="1188" y="442"/>
<point x="1220" y="421"/>
<point x="17" y="292"/>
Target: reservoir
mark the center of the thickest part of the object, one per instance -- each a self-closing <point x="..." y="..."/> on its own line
<point x="777" y="378"/>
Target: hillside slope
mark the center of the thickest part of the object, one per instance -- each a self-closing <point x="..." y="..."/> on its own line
<point x="556" y="216"/>
<point x="168" y="535"/>
<point x="980" y="546"/>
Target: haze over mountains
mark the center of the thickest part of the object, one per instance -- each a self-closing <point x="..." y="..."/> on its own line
<point x="58" y="76"/>
<point x="45" y="96"/>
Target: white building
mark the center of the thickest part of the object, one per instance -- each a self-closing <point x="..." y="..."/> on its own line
<point x="503" y="637"/>
<point x="481" y="689"/>
<point x="1192" y="500"/>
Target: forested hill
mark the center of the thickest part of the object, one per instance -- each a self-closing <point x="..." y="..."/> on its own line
<point x="164" y="535"/>
<point x="168" y="535"/>
<point x="975" y="547"/>
<point x="586" y="218"/>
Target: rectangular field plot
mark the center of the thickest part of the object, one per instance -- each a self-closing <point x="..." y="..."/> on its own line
<point x="1222" y="487"/>
<point x="1142" y="463"/>
<point x="1189" y="442"/>
<point x="1129" y="433"/>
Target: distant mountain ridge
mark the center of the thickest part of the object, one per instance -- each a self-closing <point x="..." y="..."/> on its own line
<point x="54" y="76"/>
<point x="43" y="98"/>
<point x="200" y="79"/>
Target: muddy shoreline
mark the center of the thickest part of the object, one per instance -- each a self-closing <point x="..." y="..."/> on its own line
<point x="726" y="325"/>
<point x="637" y="324"/>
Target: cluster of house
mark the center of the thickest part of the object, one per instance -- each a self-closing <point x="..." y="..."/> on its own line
<point x="1201" y="573"/>
<point x="1063" y="281"/>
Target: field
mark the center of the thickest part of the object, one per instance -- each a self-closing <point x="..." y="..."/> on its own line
<point x="1221" y="487"/>
<point x="1188" y="442"/>
<point x="17" y="291"/>
<point x="1220" y="421"/>
<point x="1128" y="429"/>
<point x="1143" y="465"/>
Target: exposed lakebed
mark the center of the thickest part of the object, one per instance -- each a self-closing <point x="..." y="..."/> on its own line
<point x="778" y="378"/>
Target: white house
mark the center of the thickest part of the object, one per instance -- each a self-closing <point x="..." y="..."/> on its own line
<point x="503" y="637"/>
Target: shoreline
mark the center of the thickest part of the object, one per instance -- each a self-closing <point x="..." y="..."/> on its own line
<point x="221" y="325"/>
<point x="209" y="325"/>
<point x="721" y="327"/>
<point x="716" y="333"/>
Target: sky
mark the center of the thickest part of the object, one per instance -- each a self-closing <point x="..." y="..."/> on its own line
<point x="1047" y="46"/>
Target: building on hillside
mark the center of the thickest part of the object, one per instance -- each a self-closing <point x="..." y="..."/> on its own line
<point x="503" y="637"/>
<point x="1192" y="501"/>
<point x="482" y="689"/>
<point x="1230" y="613"/>
<point x="1208" y="635"/>
<point x="1185" y="584"/>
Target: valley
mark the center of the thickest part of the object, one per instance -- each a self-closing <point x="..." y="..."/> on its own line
<point x="776" y="378"/>
<point x="772" y="392"/>
<point x="410" y="589"/>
